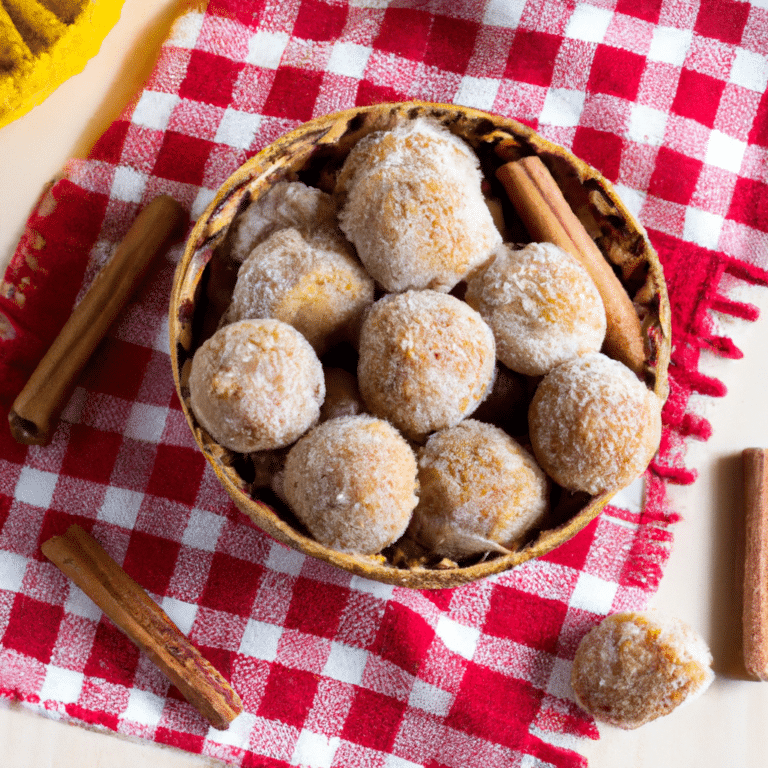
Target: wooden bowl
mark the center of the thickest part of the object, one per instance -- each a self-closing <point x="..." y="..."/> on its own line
<point x="312" y="153"/>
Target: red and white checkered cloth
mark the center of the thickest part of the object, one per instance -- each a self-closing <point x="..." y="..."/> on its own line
<point x="666" y="97"/>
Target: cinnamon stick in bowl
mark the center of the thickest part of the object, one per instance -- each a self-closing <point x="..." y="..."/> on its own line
<point x="548" y="217"/>
<point x="80" y="557"/>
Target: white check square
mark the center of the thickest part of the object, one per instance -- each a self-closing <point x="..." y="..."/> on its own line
<point x="670" y="45"/>
<point x="12" y="570"/>
<point x="345" y="663"/>
<point x="313" y="750"/>
<point x="724" y="151"/>
<point x="593" y="594"/>
<point x="562" y="107"/>
<point x="146" y="422"/>
<point x="144" y="707"/>
<point x="180" y="613"/>
<point x="477" y="92"/>
<point x="120" y="507"/>
<point x="238" y="129"/>
<point x="457" y="637"/>
<point x="260" y="640"/>
<point x="504" y="13"/>
<point x="647" y="125"/>
<point x="589" y="24"/>
<point x="749" y="70"/>
<point x="702" y="227"/>
<point x="203" y="530"/>
<point x="35" y="487"/>
<point x="62" y="685"/>
<point x="154" y="109"/>
<point x="128" y="185"/>
<point x="265" y="49"/>
<point x="430" y="698"/>
<point x="349" y="59"/>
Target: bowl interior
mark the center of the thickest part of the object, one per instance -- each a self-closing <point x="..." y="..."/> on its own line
<point x="313" y="153"/>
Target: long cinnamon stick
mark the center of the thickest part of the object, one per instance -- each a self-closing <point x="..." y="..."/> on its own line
<point x="80" y="557"/>
<point x="755" y="610"/>
<point x="37" y="408"/>
<point x="548" y="217"/>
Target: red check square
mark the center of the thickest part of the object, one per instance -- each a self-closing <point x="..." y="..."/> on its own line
<point x="316" y="608"/>
<point x="375" y="93"/>
<point x="532" y="57"/>
<point x="616" y="72"/>
<point x="90" y="454"/>
<point x="293" y="93"/>
<point x="404" y="32"/>
<point x="476" y="710"/>
<point x="33" y="627"/>
<point x="320" y="21"/>
<point x="176" y="473"/>
<point x="182" y="158"/>
<point x="450" y="44"/>
<point x="722" y="19"/>
<point x="210" y="79"/>
<point x="749" y="204"/>
<point x="288" y="695"/>
<point x="759" y="132"/>
<point x="117" y="368"/>
<point x="373" y="720"/>
<point x="109" y="146"/>
<point x="113" y="657"/>
<point x="647" y="10"/>
<point x="232" y="584"/>
<point x="575" y="551"/>
<point x="602" y="149"/>
<point x="404" y="638"/>
<point x="519" y="616"/>
<point x="674" y="177"/>
<point x="698" y="97"/>
<point x="150" y="561"/>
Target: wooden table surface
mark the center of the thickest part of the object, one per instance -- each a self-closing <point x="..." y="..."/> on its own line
<point x="725" y="727"/>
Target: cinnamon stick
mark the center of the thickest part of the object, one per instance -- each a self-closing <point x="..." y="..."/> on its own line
<point x="80" y="557"/>
<point x="37" y="408"/>
<point x="548" y="217"/>
<point x="755" y="610"/>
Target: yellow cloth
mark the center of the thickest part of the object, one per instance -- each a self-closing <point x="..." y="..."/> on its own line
<point x="45" y="42"/>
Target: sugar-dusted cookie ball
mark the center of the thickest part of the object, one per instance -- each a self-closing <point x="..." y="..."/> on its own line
<point x="413" y="207"/>
<point x="320" y="291"/>
<point x="594" y="425"/>
<point x="285" y="205"/>
<point x="256" y="385"/>
<point x="480" y="491"/>
<point x="352" y="482"/>
<point x="541" y="304"/>
<point x="635" y="667"/>
<point x="426" y="360"/>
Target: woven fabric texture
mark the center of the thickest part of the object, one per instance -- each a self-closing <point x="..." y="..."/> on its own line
<point x="666" y="97"/>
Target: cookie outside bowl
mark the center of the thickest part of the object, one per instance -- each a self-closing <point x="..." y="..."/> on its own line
<point x="313" y="153"/>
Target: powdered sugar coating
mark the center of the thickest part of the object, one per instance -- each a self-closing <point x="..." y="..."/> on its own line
<point x="480" y="490"/>
<point x="426" y="361"/>
<point x="285" y="205"/>
<point x="256" y="385"/>
<point x="414" y="208"/>
<point x="635" y="667"/>
<point x="319" y="288"/>
<point x="541" y="305"/>
<point x="594" y="425"/>
<point x="352" y="482"/>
